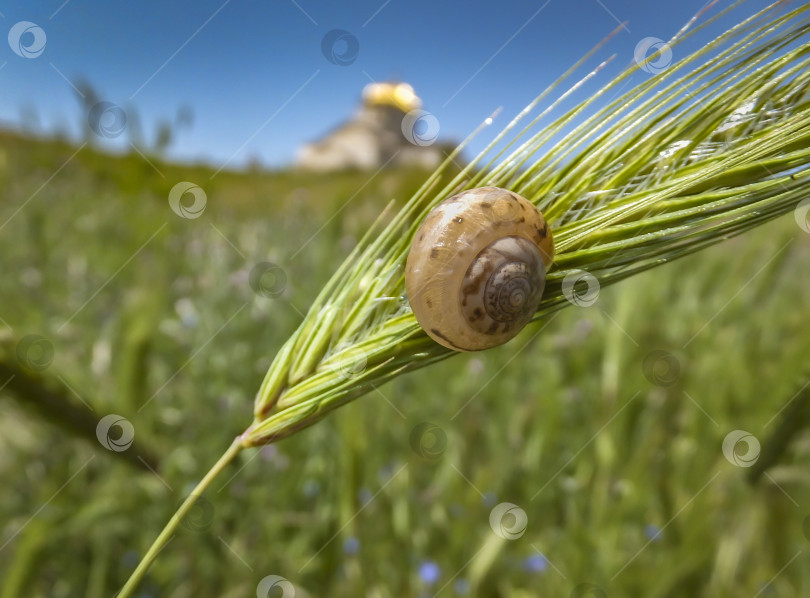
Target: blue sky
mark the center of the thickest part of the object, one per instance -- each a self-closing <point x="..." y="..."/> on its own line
<point x="259" y="84"/>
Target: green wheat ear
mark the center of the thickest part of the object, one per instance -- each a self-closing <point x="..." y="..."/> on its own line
<point x="706" y="148"/>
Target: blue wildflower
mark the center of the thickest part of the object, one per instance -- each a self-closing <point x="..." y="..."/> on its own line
<point x="351" y="545"/>
<point x="653" y="532"/>
<point x="130" y="558"/>
<point x="311" y="488"/>
<point x="461" y="587"/>
<point x="429" y="572"/>
<point x="536" y="563"/>
<point x="364" y="495"/>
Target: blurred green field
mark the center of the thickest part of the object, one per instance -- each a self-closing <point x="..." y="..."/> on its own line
<point x="605" y="428"/>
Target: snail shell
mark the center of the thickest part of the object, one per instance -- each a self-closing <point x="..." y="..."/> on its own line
<point x="477" y="267"/>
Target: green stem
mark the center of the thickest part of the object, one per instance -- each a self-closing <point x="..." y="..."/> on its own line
<point x="171" y="526"/>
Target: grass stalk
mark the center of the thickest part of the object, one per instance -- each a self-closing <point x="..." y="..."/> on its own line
<point x="171" y="527"/>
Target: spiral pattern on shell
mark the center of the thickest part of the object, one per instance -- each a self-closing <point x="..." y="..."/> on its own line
<point x="476" y="270"/>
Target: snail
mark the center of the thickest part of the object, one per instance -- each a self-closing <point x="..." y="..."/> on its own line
<point x="477" y="267"/>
